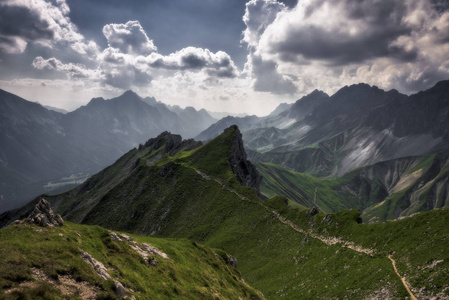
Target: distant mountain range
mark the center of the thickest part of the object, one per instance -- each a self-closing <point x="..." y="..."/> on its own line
<point x="404" y="138"/>
<point x="43" y="150"/>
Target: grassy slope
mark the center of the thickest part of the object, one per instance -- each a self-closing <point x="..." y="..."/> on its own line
<point x="192" y="272"/>
<point x="169" y="199"/>
<point x="416" y="243"/>
<point x="306" y="190"/>
<point x="332" y="196"/>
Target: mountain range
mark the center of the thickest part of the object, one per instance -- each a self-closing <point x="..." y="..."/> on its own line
<point x="42" y="150"/>
<point x="210" y="194"/>
<point x="382" y="151"/>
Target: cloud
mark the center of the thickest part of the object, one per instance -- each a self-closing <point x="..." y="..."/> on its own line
<point x="340" y="32"/>
<point x="217" y="64"/>
<point x="268" y="79"/>
<point x="258" y="15"/>
<point x="42" y="22"/>
<point x="73" y="71"/>
<point x="129" y="38"/>
<point x="327" y="44"/>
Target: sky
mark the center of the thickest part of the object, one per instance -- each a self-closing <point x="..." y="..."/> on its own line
<point x="221" y="55"/>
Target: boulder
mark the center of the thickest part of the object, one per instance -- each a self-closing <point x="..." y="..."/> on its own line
<point x="43" y="215"/>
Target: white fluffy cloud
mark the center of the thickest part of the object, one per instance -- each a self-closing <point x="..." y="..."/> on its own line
<point x="129" y="38"/>
<point x="327" y="44"/>
<point x="217" y="64"/>
<point x="74" y="71"/>
<point x="42" y="22"/>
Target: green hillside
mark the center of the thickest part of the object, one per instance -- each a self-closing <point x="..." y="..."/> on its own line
<point x="47" y="263"/>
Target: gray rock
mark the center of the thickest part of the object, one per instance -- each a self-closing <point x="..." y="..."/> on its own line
<point x="232" y="261"/>
<point x="243" y="169"/>
<point x="96" y="265"/>
<point x="43" y="215"/>
<point x="120" y="290"/>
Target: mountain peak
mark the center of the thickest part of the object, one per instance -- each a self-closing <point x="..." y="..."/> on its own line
<point x="130" y="93"/>
<point x="245" y="172"/>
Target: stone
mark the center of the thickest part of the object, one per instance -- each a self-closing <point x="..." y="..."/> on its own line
<point x="114" y="237"/>
<point x="43" y="215"/>
<point x="313" y="211"/>
<point x="245" y="172"/>
<point x="96" y="265"/>
<point x="120" y="290"/>
<point x="232" y="260"/>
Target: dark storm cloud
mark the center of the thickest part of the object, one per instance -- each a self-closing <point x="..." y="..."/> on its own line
<point x="22" y="22"/>
<point x="369" y="30"/>
<point x="19" y="25"/>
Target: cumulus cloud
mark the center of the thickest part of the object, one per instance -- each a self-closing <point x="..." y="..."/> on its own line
<point x="129" y="38"/>
<point x="259" y="14"/>
<point x="44" y="22"/>
<point x="73" y="71"/>
<point x="217" y="64"/>
<point x="327" y="44"/>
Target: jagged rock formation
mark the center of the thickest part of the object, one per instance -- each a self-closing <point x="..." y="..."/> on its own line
<point x="172" y="143"/>
<point x="44" y="216"/>
<point x="243" y="169"/>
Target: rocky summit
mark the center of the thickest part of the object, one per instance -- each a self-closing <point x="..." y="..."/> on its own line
<point x="245" y="172"/>
<point x="43" y="215"/>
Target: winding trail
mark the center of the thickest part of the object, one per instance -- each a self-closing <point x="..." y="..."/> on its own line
<point x="404" y="282"/>
<point x="325" y="239"/>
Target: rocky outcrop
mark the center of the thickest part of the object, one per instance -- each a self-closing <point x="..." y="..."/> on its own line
<point x="44" y="216"/>
<point x="172" y="143"/>
<point x="231" y="260"/>
<point x="99" y="268"/>
<point x="243" y="169"/>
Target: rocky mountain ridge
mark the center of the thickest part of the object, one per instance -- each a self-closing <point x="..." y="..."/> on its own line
<point x="41" y="150"/>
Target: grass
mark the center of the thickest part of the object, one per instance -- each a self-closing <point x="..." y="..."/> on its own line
<point x="192" y="271"/>
<point x="416" y="243"/>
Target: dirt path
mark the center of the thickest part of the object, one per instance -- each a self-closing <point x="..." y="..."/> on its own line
<point x="325" y="239"/>
<point x="404" y="282"/>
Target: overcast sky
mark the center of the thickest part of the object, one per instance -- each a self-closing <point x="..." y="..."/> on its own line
<point x="222" y="55"/>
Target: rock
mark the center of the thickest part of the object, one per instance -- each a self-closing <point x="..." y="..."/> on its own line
<point x="313" y="211"/>
<point x="125" y="237"/>
<point x="232" y="260"/>
<point x="44" y="216"/>
<point x="152" y="262"/>
<point x="114" y="237"/>
<point x="120" y="290"/>
<point x="96" y="265"/>
<point x="153" y="250"/>
<point x="243" y="169"/>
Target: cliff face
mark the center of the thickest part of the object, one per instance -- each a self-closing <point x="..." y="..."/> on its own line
<point x="243" y="169"/>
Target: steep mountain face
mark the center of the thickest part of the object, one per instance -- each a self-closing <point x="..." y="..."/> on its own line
<point x="242" y="122"/>
<point x="359" y="125"/>
<point x="181" y="189"/>
<point x="42" y="150"/>
<point x="383" y="191"/>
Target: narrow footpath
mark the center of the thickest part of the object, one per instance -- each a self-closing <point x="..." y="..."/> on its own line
<point x="325" y="239"/>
